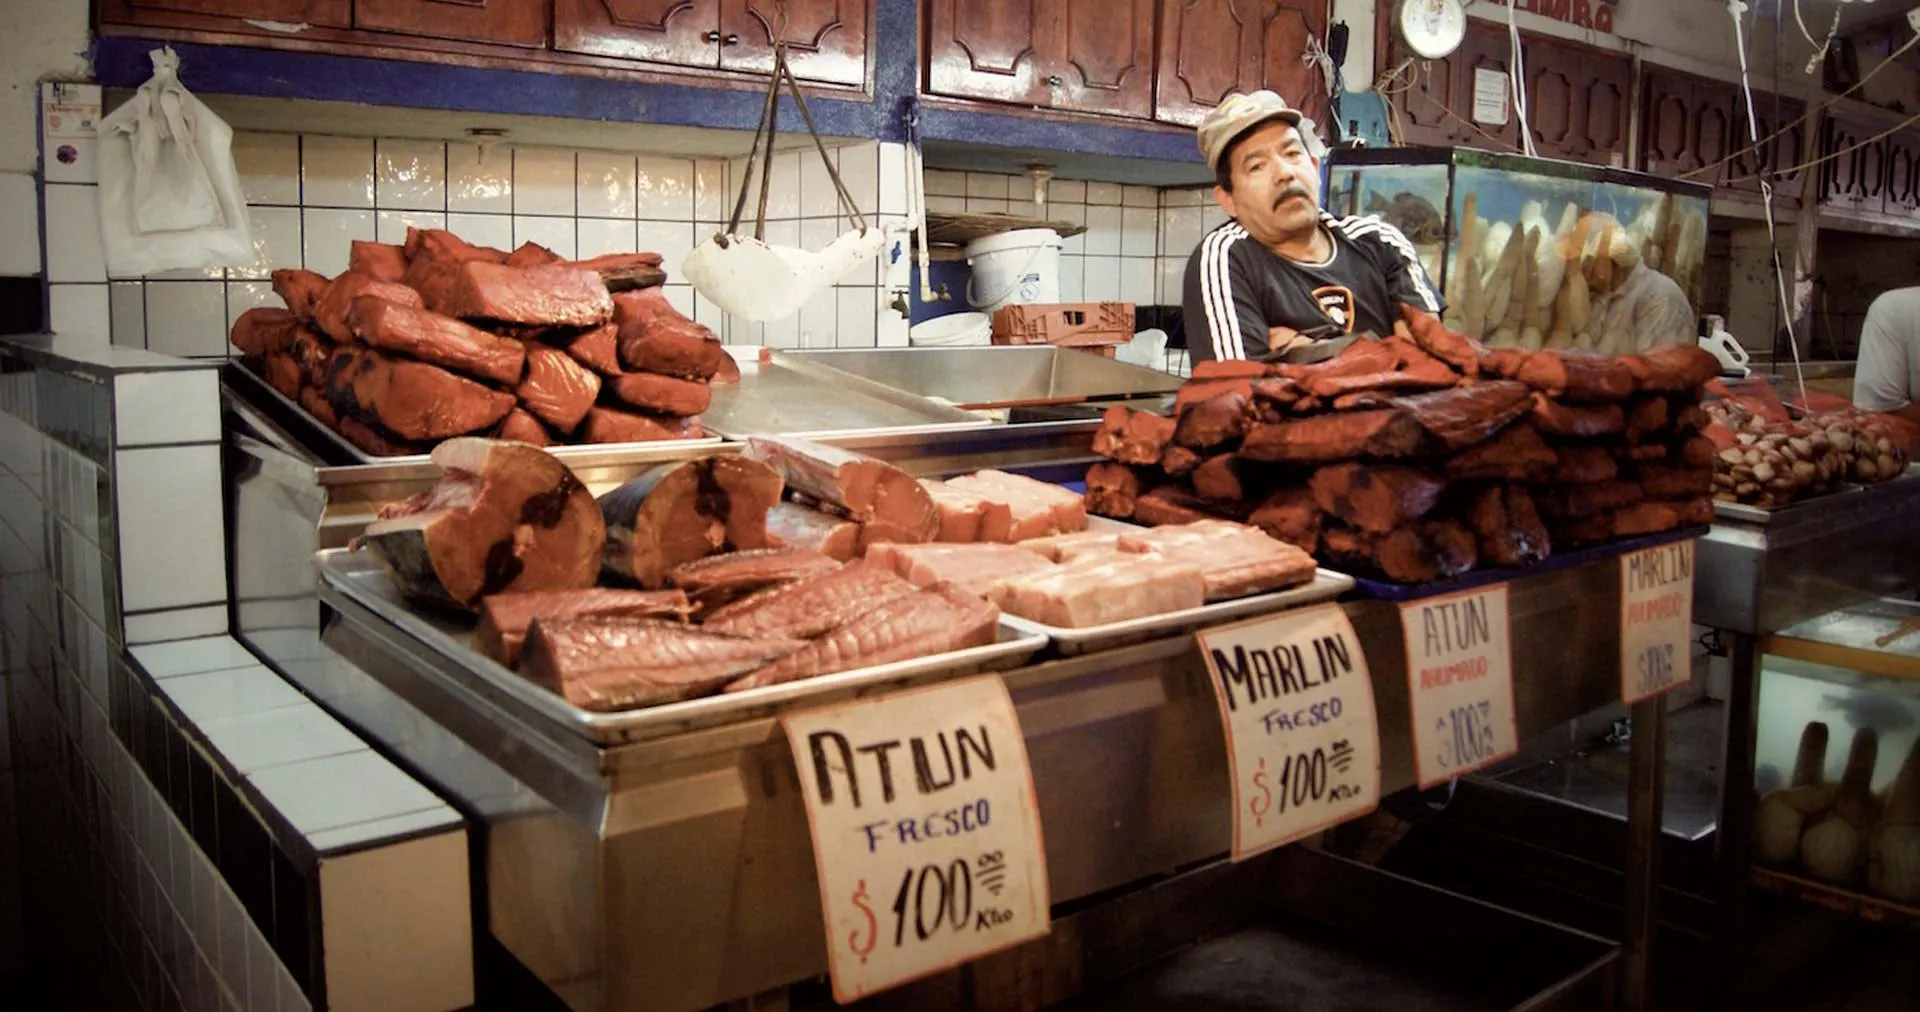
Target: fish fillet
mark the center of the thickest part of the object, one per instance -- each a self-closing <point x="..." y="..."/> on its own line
<point x="932" y="621"/>
<point x="810" y="607"/>
<point x="621" y="664"/>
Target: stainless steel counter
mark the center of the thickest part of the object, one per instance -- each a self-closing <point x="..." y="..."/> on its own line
<point x="676" y="873"/>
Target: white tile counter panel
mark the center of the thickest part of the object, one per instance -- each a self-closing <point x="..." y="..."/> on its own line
<point x="172" y="534"/>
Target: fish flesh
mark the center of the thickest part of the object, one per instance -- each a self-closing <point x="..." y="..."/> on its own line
<point x="619" y="664"/>
<point x="719" y="579"/>
<point x="936" y="620"/>
<point x="1068" y="547"/>
<point x="1235" y="559"/>
<point x="982" y="568"/>
<point x="676" y="513"/>
<point x="968" y="516"/>
<point x="792" y="525"/>
<point x="504" y="618"/>
<point x="1102" y="589"/>
<point x="1037" y="509"/>
<point x="810" y="607"/>
<point x="888" y="502"/>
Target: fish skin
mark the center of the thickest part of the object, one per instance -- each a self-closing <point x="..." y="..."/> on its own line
<point x="762" y="564"/>
<point x="606" y="665"/>
<point x="810" y="607"/>
<point x="932" y="621"/>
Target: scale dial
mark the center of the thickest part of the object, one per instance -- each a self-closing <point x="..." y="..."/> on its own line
<point x="1432" y="28"/>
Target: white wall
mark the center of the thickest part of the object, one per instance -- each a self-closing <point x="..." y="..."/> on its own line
<point x="40" y="40"/>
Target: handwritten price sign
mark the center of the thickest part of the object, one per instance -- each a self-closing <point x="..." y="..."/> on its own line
<point x="1656" y="620"/>
<point x="1460" y="678"/>
<point x="1297" y="705"/>
<point x="926" y="836"/>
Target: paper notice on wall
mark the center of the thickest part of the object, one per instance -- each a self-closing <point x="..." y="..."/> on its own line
<point x="1490" y="96"/>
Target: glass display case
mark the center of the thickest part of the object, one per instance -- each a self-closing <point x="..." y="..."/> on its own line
<point x="1837" y="760"/>
<point x="1533" y="253"/>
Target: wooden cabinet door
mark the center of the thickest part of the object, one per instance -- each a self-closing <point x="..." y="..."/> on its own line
<point x="508" y="22"/>
<point x="681" y="32"/>
<point x="1903" y="174"/>
<point x="1209" y="49"/>
<point x="1486" y="48"/>
<point x="1777" y="149"/>
<point x="1854" y="179"/>
<point x="320" y="13"/>
<point x="826" y="39"/>
<point x="1554" y="97"/>
<point x="1432" y="90"/>
<point x="1102" y="59"/>
<point x="1283" y="58"/>
<point x="1687" y="126"/>
<point x="1604" y="99"/>
<point x="986" y="49"/>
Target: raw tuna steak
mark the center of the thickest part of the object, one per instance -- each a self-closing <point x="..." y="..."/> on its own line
<point x="661" y="394"/>
<point x="791" y="525"/>
<point x="331" y="311"/>
<point x="931" y="621"/>
<point x="620" y="664"/>
<point x="676" y="513"/>
<point x="504" y="618"/>
<point x="888" y="502"/>
<point x="264" y="330"/>
<point x="982" y="569"/>
<point x="1101" y="589"/>
<point x="1038" y="509"/>
<point x="1112" y="489"/>
<point x="655" y="337"/>
<point x="558" y="390"/>
<point x="813" y="606"/>
<point x="967" y="515"/>
<point x="300" y="290"/>
<point x="719" y="579"/>
<point x="550" y="296"/>
<point x="1133" y="437"/>
<point x="377" y="260"/>
<point x="611" y="425"/>
<point x="597" y="349"/>
<point x="1236" y="560"/>
<point x="412" y="400"/>
<point x="503" y="517"/>
<point x="520" y="427"/>
<point x="622" y="272"/>
<point x="430" y="337"/>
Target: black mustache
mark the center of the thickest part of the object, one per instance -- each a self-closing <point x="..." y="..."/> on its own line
<point x="1288" y="194"/>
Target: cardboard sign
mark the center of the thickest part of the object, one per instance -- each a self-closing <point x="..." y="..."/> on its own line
<point x="926" y="836"/>
<point x="1656" y="620"/>
<point x="1302" y="741"/>
<point x="1460" y="682"/>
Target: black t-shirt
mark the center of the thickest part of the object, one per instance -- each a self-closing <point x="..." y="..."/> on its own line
<point x="1236" y="288"/>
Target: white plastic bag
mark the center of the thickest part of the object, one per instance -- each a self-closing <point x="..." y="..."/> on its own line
<point x="169" y="194"/>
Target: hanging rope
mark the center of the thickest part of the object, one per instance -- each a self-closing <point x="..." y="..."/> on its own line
<point x="1735" y="8"/>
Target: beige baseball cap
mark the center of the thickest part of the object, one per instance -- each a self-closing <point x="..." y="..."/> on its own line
<point x="1238" y="113"/>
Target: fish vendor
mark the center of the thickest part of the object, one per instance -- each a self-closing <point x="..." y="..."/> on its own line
<point x="1282" y="275"/>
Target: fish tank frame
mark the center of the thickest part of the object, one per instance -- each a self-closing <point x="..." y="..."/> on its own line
<point x="1635" y="217"/>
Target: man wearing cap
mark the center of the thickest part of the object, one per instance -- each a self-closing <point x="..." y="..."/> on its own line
<point x="1282" y="274"/>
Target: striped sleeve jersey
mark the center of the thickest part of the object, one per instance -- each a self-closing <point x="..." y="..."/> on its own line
<point x="1236" y="288"/>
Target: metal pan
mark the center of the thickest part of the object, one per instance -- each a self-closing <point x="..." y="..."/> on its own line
<point x="359" y="582"/>
<point x="1743" y="513"/>
<point x="1326" y="586"/>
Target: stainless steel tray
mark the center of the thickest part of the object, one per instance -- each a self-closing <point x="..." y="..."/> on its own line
<point x="1743" y="513"/>
<point x="785" y="394"/>
<point x="359" y="579"/>
<point x="1326" y="586"/>
<point x="997" y="377"/>
<point x="301" y="426"/>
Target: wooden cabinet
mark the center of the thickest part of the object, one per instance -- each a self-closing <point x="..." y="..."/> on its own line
<point x="826" y="39"/>
<point x="1782" y="148"/>
<point x="321" y="13"/>
<point x="1855" y="177"/>
<point x="1686" y="126"/>
<point x="507" y="22"/>
<point x="1080" y="55"/>
<point x="1212" y="48"/>
<point x="1903" y="174"/>
<point x="1577" y="97"/>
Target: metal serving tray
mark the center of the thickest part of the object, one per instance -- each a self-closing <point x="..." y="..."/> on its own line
<point x="1743" y="513"/>
<point x="999" y="377"/>
<point x="335" y="449"/>
<point x="359" y="579"/>
<point x="1326" y="586"/>
<point x="785" y="394"/>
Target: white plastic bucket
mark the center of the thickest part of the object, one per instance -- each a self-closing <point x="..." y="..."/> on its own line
<point x="954" y="330"/>
<point x="1018" y="266"/>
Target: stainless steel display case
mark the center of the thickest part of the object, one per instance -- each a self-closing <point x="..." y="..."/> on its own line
<point x="1000" y="377"/>
<point x="676" y="873"/>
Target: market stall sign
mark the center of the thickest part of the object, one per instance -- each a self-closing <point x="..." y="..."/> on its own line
<point x="1593" y="15"/>
<point x="926" y="836"/>
<point x="1460" y="682"/>
<point x="1302" y="742"/>
<point x="1656" y="620"/>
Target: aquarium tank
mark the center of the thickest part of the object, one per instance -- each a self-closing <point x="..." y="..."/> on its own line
<point x="1535" y="253"/>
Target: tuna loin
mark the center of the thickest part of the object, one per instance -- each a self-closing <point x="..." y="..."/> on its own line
<point x="812" y="606"/>
<point x="411" y="400"/>
<point x="430" y="337"/>
<point x="676" y="513"/>
<point x="791" y="525"/>
<point x="550" y="296"/>
<point x="655" y="337"/>
<point x="504" y="618"/>
<point x="888" y="502"/>
<point x="931" y="621"/>
<point x="719" y="579"/>
<point x="504" y="517"/>
<point x="620" y="664"/>
<point x="559" y="390"/>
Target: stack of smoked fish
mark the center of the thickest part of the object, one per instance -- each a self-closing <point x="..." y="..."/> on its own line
<point x="438" y="338"/>
<point x="1423" y="455"/>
